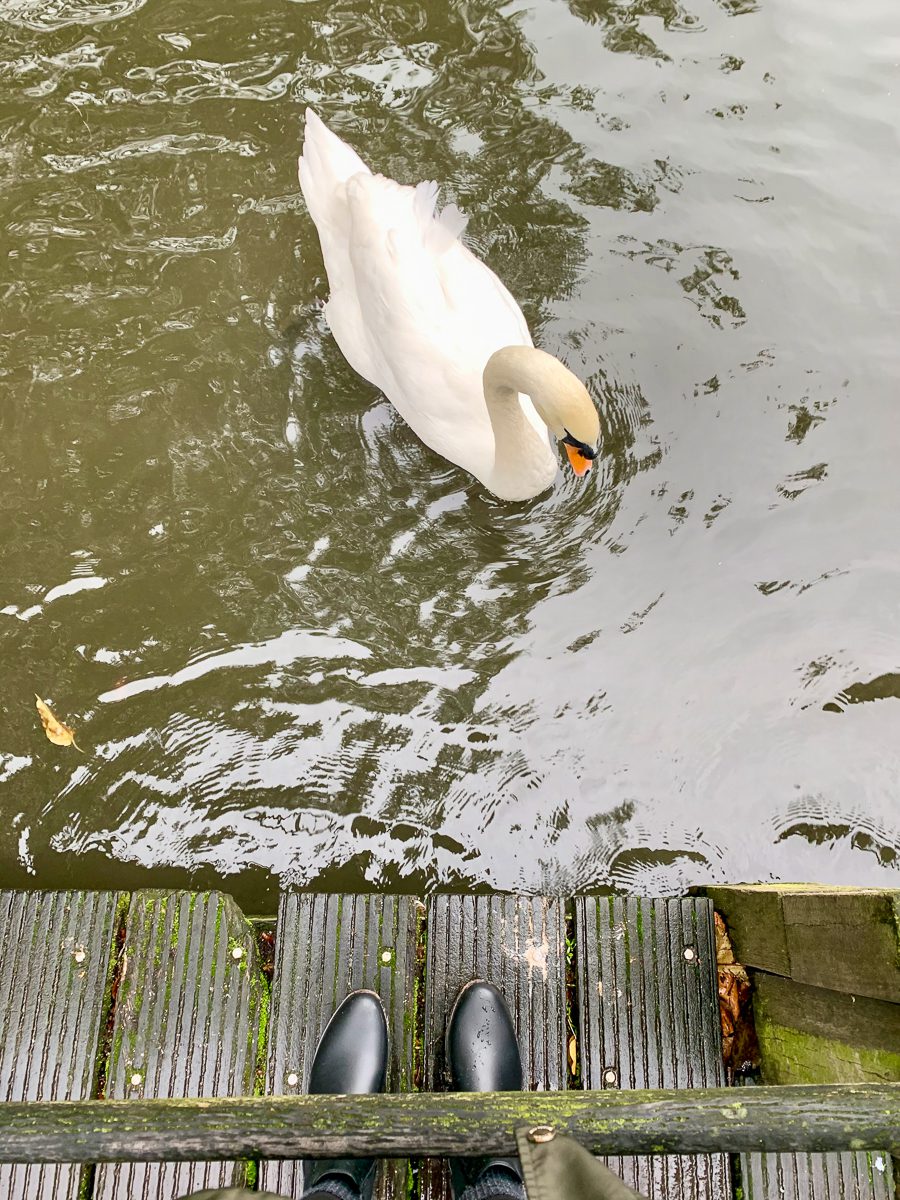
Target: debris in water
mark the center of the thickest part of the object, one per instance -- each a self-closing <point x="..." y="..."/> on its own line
<point x="58" y="733"/>
<point x="292" y="432"/>
<point x="739" y="1047"/>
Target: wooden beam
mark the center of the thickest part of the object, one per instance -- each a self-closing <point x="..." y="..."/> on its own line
<point x="865" y="1116"/>
<point x="853" y="1021"/>
<point x="814" y="1035"/>
<point x="755" y="924"/>
<point x="846" y="939"/>
<point x="849" y="942"/>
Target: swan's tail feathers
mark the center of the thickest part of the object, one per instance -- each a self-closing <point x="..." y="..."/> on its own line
<point x="439" y="229"/>
<point x="325" y="164"/>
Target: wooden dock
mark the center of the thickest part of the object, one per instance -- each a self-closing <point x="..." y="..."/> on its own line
<point x="166" y="994"/>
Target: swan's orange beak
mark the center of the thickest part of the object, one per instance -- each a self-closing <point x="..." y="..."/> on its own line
<point x="580" y="464"/>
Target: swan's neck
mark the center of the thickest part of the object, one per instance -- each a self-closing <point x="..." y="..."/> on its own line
<point x="524" y="464"/>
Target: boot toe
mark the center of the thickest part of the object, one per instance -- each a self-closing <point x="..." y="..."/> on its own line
<point x="482" y="1048"/>
<point x="351" y="1058"/>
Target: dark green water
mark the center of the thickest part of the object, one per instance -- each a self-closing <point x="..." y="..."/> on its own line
<point x="294" y="643"/>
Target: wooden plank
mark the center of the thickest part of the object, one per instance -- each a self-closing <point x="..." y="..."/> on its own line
<point x="846" y="939"/>
<point x="755" y="925"/>
<point x="847" y="1176"/>
<point x="811" y="1034"/>
<point x="55" y="973"/>
<point x="649" y="1017"/>
<point x="518" y="944"/>
<point x="326" y="947"/>
<point x="186" y="1023"/>
<point x="621" y="1121"/>
<point x="814" y="1035"/>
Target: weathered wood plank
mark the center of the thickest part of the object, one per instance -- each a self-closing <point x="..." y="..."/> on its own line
<point x="54" y="997"/>
<point x="518" y="944"/>
<point x="847" y="1176"/>
<point x="326" y="947"/>
<point x="810" y="1034"/>
<point x="691" y="1121"/>
<point x="649" y="1017"/>
<point x="186" y="1024"/>
<point x="755" y="923"/>
<point x="814" y="1035"/>
<point x="846" y="939"/>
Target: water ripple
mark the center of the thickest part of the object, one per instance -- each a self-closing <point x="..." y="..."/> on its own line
<point x="44" y="16"/>
<point x="169" y="143"/>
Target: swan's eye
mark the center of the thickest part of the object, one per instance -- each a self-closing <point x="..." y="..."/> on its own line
<point x="583" y="448"/>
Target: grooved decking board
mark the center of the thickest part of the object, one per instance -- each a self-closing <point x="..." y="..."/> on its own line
<point x="847" y="1176"/>
<point x="651" y="1016"/>
<point x="186" y="1021"/>
<point x="517" y="943"/>
<point x="53" y="1006"/>
<point x="326" y="947"/>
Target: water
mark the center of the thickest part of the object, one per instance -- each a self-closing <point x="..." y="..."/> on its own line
<point x="297" y="646"/>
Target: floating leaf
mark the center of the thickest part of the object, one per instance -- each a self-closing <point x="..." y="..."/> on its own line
<point x="58" y="733"/>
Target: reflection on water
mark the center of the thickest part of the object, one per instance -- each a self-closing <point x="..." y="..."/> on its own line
<point x="297" y="645"/>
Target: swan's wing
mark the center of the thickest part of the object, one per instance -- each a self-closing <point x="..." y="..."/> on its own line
<point x="433" y="315"/>
<point x="324" y="168"/>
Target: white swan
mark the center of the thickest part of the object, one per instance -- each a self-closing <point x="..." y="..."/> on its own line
<point x="416" y="313"/>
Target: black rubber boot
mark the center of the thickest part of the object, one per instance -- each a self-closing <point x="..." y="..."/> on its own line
<point x="351" y="1059"/>
<point x="483" y="1056"/>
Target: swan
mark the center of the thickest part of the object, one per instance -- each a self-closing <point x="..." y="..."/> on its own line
<point x="418" y="315"/>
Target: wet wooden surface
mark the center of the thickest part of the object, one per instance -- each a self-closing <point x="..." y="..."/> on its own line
<point x="186" y="1023"/>
<point x="326" y="947"/>
<point x="625" y="1121"/>
<point x="846" y="1176"/>
<point x="518" y="944"/>
<point x="161" y="994"/>
<point x="55" y="967"/>
<point x="649" y="1017"/>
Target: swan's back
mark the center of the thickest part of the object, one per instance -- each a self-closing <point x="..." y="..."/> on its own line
<point x="411" y="308"/>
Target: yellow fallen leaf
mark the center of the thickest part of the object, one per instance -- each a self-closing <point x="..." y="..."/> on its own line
<point x="59" y="734"/>
<point x="573" y="1056"/>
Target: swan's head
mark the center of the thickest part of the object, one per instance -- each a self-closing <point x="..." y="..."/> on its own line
<point x="569" y="413"/>
<point x="560" y="398"/>
<point x="576" y="424"/>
